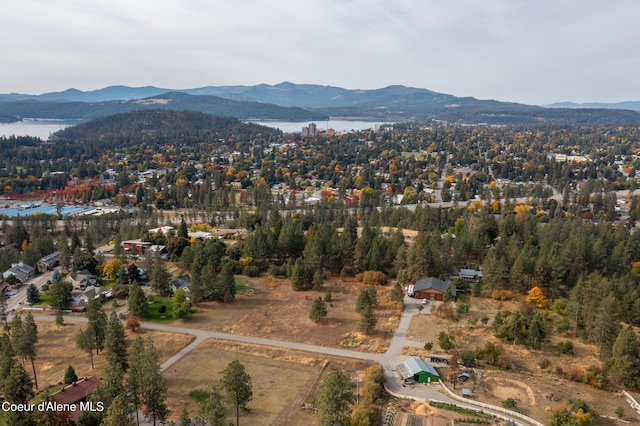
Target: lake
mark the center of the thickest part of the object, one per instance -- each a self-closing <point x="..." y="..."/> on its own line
<point x="42" y="128"/>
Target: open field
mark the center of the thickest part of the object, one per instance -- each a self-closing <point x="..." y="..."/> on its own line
<point x="282" y="380"/>
<point x="536" y="390"/>
<point x="57" y="349"/>
<point x="279" y="313"/>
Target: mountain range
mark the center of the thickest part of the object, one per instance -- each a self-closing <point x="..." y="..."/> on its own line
<point x="305" y="102"/>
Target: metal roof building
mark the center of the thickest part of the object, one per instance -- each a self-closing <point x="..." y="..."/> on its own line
<point x="416" y="370"/>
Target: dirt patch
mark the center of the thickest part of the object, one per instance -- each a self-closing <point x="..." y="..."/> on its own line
<point x="503" y="388"/>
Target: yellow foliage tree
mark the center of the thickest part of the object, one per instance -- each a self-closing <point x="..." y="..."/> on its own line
<point x="112" y="269"/>
<point x="536" y="297"/>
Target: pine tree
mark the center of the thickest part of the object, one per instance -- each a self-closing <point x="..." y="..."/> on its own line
<point x="134" y="383"/>
<point x="396" y="294"/>
<point x="137" y="302"/>
<point x="625" y="358"/>
<point x="70" y="376"/>
<point x="536" y="332"/>
<point x="116" y="344"/>
<point x="18" y="386"/>
<point x="85" y="339"/>
<point x="334" y="399"/>
<point x="4" y="314"/>
<point x="97" y="323"/>
<point x="184" y="419"/>
<point x="237" y="384"/>
<point x="318" y="310"/>
<point x="227" y="283"/>
<point x="160" y="278"/>
<point x="30" y="343"/>
<point x="367" y="320"/>
<point x="154" y="386"/>
<point x="118" y="414"/>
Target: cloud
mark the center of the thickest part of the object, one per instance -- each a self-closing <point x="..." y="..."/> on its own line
<point x="534" y="52"/>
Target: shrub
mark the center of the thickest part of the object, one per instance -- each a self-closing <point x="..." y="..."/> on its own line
<point x="545" y="363"/>
<point x="132" y="324"/>
<point x="372" y="278"/>
<point x="463" y="308"/>
<point x="251" y="270"/>
<point x="509" y="404"/>
<point x="428" y="346"/>
<point x="565" y="347"/>
<point x="469" y="358"/>
<point x="563" y="326"/>
<point x="445" y="341"/>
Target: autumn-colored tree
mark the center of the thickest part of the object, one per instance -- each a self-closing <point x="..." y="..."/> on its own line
<point x="536" y="297"/>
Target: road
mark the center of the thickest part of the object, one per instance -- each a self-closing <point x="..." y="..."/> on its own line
<point x="388" y="359"/>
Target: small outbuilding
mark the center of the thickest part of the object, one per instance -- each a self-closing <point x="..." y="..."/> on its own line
<point x="415" y="370"/>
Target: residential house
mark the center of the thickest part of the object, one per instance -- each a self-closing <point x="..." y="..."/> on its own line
<point x="50" y="261"/>
<point x="21" y="271"/>
<point x="76" y="393"/>
<point x="80" y="298"/>
<point x="136" y="246"/>
<point x="470" y="274"/>
<point x="82" y="279"/>
<point x="431" y="289"/>
<point x="181" y="284"/>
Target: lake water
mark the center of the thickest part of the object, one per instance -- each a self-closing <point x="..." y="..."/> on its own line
<point x="39" y="128"/>
<point x="42" y="128"/>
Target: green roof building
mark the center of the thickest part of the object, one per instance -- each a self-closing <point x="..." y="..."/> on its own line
<point x="415" y="370"/>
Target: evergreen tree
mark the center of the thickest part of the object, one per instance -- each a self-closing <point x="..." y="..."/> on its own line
<point x="184" y="419"/>
<point x="237" y="384"/>
<point x="30" y="349"/>
<point x="6" y="359"/>
<point x="625" y="358"/>
<point x="18" y="387"/>
<point x="227" y="283"/>
<point x="85" y="339"/>
<point x="116" y="344"/>
<point x="183" y="232"/>
<point x="334" y="399"/>
<point x="154" y="386"/>
<point x="134" y="384"/>
<point x="60" y="292"/>
<point x="536" y="332"/>
<point x="118" y="413"/>
<point x="396" y="294"/>
<point x="318" y="310"/>
<point x="137" y="302"/>
<point x="33" y="294"/>
<point x="363" y="301"/>
<point x="160" y="278"/>
<point x="97" y="323"/>
<point x="70" y="376"/>
<point x="367" y="320"/>
<point x="212" y="409"/>
<point x="4" y="314"/>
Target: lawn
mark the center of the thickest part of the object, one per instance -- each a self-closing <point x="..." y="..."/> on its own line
<point x="45" y="299"/>
<point x="242" y="285"/>
<point x="154" y="309"/>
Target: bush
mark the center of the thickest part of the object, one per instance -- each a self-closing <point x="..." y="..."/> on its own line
<point x="428" y="346"/>
<point x="251" y="271"/>
<point x="563" y="326"/>
<point x="372" y="278"/>
<point x="565" y="347"/>
<point x="463" y="308"/>
<point x="445" y="341"/>
<point x="469" y="358"/>
<point x="132" y="324"/>
<point x="545" y="363"/>
<point x="509" y="404"/>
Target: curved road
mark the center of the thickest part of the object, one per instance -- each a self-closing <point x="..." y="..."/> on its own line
<point x="388" y="359"/>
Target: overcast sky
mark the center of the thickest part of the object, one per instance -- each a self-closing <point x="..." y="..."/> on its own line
<point x="525" y="51"/>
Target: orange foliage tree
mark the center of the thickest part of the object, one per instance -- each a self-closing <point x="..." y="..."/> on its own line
<point x="536" y="297"/>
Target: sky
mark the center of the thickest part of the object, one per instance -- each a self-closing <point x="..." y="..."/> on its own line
<point x="534" y="52"/>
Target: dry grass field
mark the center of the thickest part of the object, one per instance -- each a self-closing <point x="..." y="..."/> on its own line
<point x="57" y="350"/>
<point x="282" y="380"/>
<point x="277" y="312"/>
